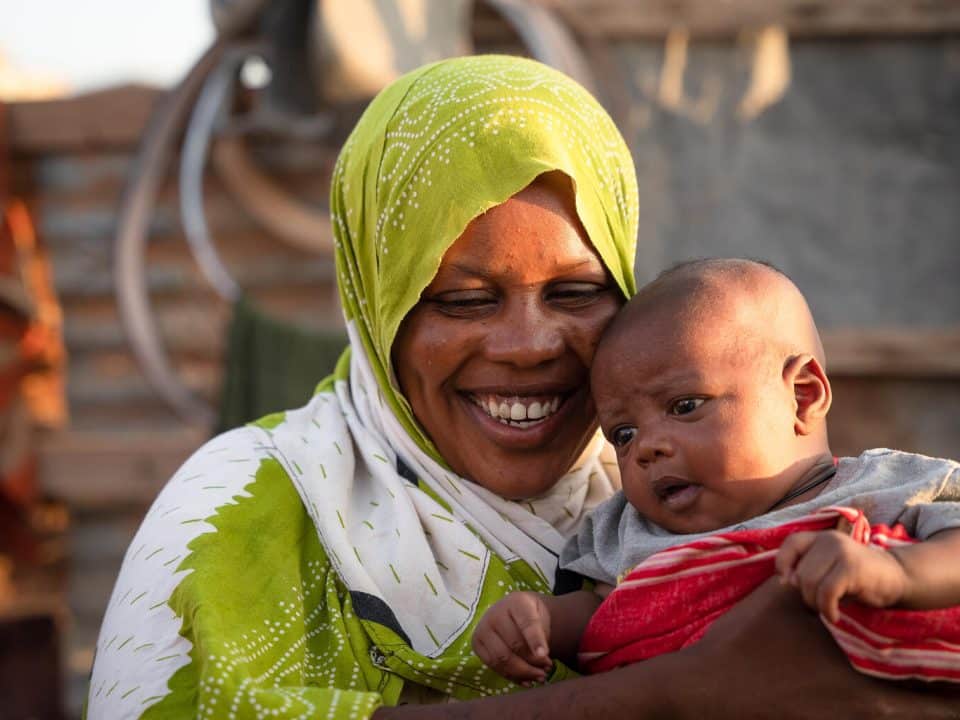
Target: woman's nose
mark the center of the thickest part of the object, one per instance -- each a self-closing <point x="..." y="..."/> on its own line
<point x="526" y="334"/>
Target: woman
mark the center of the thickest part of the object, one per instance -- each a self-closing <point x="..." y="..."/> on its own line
<point x="333" y="559"/>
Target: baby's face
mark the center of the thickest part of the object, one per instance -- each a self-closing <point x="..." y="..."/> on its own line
<point x="701" y="418"/>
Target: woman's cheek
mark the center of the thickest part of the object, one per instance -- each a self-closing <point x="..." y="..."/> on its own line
<point x="592" y="333"/>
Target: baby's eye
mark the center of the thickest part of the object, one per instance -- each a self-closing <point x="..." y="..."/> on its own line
<point x="685" y="406"/>
<point x="622" y="435"/>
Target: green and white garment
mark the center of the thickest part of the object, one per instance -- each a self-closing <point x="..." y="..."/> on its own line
<point x="325" y="561"/>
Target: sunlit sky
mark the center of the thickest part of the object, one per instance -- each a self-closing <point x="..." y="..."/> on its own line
<point x="90" y="44"/>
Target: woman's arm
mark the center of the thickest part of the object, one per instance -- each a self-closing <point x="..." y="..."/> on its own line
<point x="768" y="657"/>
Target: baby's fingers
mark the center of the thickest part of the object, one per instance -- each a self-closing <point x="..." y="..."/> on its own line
<point x="791" y="552"/>
<point x="826" y="570"/>
<point x="833" y="586"/>
<point x="534" y="625"/>
<point x="496" y="654"/>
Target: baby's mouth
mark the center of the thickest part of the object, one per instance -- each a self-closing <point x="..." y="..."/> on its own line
<point x="676" y="493"/>
<point x="518" y="411"/>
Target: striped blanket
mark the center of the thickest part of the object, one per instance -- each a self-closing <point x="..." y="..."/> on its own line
<point x="670" y="600"/>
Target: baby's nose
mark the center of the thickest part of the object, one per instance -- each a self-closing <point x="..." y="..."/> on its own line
<point x="652" y="448"/>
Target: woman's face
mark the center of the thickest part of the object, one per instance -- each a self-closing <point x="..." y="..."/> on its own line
<point x="495" y="357"/>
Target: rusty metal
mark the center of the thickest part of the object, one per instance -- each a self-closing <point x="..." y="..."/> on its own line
<point x="546" y="37"/>
<point x="235" y="17"/>
<point x="274" y="209"/>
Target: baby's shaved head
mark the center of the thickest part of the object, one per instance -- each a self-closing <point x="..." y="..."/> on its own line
<point x="710" y="385"/>
<point x="750" y="305"/>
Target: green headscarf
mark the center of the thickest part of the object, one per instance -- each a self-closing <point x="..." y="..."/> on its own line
<point x="444" y="144"/>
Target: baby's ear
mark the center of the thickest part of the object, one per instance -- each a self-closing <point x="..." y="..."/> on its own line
<point x="811" y="392"/>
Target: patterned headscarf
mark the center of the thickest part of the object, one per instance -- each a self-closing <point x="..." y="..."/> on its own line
<point x="441" y="146"/>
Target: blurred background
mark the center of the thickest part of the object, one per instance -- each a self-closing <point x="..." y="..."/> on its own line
<point x="164" y="173"/>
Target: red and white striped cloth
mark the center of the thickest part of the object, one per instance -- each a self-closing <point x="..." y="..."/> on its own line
<point x="670" y="599"/>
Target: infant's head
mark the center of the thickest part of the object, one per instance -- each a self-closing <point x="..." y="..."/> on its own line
<point x="710" y="383"/>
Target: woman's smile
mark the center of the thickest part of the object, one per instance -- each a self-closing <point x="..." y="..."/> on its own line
<point x="523" y="421"/>
<point x="517" y="411"/>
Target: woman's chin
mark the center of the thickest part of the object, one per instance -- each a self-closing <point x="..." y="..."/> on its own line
<point x="518" y="483"/>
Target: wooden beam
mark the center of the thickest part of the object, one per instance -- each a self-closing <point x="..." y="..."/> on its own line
<point x="113" y="118"/>
<point x="896" y="352"/>
<point x="97" y="470"/>
<point x="728" y="18"/>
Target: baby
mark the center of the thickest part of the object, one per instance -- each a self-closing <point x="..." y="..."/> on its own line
<point x="711" y="386"/>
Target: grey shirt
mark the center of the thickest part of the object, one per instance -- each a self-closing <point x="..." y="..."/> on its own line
<point x="889" y="486"/>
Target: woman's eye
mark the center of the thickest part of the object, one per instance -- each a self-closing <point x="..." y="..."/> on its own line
<point x="685" y="406"/>
<point x="622" y="435"/>
<point x="463" y="303"/>
<point x="576" y="294"/>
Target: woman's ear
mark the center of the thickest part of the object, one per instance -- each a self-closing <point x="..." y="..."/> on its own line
<point x="811" y="392"/>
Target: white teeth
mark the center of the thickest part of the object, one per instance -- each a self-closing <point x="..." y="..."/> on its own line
<point x="515" y="410"/>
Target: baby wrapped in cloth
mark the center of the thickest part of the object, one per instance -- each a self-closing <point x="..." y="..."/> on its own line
<point x="670" y="600"/>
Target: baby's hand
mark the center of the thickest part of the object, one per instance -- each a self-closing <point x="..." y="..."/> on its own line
<point x="513" y="637"/>
<point x="827" y="566"/>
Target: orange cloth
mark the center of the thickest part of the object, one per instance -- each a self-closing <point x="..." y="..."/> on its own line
<point x="32" y="363"/>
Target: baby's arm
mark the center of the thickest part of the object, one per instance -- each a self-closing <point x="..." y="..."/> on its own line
<point x="518" y="635"/>
<point x="829" y="565"/>
<point x="932" y="570"/>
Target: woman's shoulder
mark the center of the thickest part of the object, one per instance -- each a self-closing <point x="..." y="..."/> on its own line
<point x="249" y="466"/>
<point x="217" y="539"/>
<point x="214" y="497"/>
<point x="215" y="474"/>
<point x="219" y="471"/>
